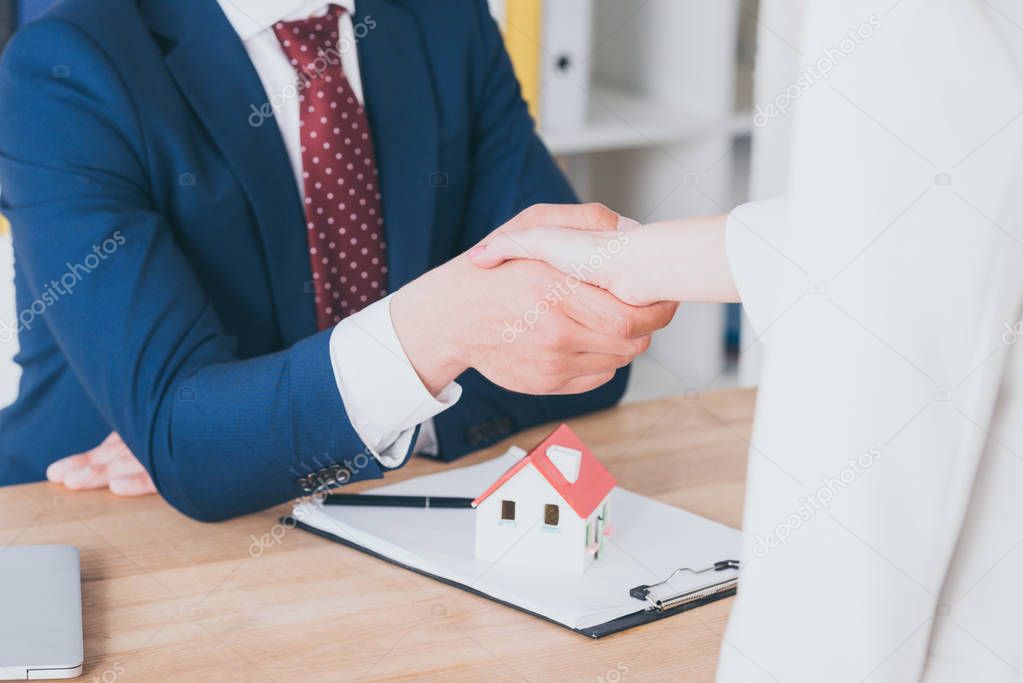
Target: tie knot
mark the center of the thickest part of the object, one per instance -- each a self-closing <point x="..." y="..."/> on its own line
<point x="306" y="39"/>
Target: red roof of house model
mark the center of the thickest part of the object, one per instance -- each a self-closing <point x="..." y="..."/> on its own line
<point x="582" y="495"/>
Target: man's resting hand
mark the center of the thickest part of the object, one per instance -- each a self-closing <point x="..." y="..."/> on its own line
<point x="109" y="465"/>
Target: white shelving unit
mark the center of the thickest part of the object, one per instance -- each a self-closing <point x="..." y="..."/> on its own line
<point x="623" y="120"/>
<point x="661" y="140"/>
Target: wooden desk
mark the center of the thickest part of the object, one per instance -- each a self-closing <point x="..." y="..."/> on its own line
<point x="166" y="598"/>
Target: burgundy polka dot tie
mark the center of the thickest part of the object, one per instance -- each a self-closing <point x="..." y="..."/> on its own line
<point x="344" y="223"/>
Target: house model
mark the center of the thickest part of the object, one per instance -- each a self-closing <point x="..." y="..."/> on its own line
<point x="549" y="510"/>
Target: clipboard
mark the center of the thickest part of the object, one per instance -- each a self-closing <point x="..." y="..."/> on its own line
<point x="670" y="605"/>
<point x="664" y="561"/>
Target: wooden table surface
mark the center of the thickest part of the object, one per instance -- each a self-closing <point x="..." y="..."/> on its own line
<point x="167" y="599"/>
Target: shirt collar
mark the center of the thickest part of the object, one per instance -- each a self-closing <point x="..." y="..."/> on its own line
<point x="252" y="18"/>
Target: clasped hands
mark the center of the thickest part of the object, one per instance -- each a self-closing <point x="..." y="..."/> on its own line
<point x="529" y="308"/>
<point x="531" y="322"/>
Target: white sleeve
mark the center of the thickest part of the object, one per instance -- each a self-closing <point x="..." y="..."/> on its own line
<point x="381" y="391"/>
<point x="871" y="457"/>
<point x="767" y="280"/>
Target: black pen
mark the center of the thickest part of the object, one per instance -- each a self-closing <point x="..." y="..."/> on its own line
<point x="397" y="501"/>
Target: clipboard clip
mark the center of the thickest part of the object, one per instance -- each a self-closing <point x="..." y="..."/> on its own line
<point x="642" y="592"/>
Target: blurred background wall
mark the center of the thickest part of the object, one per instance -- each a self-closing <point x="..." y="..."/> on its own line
<point x="646" y="104"/>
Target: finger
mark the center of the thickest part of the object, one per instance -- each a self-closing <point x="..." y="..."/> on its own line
<point x="587" y="340"/>
<point x="590" y="216"/>
<point x="88" y="470"/>
<point x="583" y="364"/>
<point x="86" y="477"/>
<point x="562" y="334"/>
<point x="580" y="385"/>
<point x="56" y="471"/>
<point x="645" y="320"/>
<point x="499" y="248"/>
<point x="604" y="313"/>
<point x="565" y="249"/>
<point x="97" y="458"/>
<point x="134" y="485"/>
<point x="125" y="465"/>
<point x="599" y="310"/>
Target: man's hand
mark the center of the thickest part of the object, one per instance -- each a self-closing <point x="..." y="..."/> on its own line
<point x="523" y="325"/>
<point x="110" y="464"/>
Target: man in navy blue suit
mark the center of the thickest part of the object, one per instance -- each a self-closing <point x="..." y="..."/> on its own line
<point x="238" y="231"/>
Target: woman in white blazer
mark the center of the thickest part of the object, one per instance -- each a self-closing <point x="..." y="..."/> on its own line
<point x="883" y="527"/>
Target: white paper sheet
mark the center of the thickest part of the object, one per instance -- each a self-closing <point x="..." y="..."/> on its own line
<point x="649" y="542"/>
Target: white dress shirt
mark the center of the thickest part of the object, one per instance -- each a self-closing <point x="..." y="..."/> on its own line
<point x="383" y="395"/>
<point x="881" y="527"/>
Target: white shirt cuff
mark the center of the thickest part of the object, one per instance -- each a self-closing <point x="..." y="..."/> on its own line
<point x="427" y="444"/>
<point x="381" y="391"/>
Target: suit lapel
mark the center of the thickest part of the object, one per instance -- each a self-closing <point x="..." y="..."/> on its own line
<point x="214" y="73"/>
<point x="402" y="110"/>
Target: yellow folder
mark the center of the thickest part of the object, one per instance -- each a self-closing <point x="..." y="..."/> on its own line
<point x="523" y="37"/>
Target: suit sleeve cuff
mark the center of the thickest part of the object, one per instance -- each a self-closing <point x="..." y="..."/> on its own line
<point x="381" y="391"/>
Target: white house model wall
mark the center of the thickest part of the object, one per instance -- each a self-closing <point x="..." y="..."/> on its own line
<point x="526" y="520"/>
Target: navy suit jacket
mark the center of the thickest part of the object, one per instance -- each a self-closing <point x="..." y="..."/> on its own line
<point x="161" y="265"/>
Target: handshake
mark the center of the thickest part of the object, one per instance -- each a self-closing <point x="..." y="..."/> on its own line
<point x="524" y="324"/>
<point x="537" y="307"/>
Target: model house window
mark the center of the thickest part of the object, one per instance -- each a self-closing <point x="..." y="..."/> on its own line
<point x="551" y="514"/>
<point x="508" y="509"/>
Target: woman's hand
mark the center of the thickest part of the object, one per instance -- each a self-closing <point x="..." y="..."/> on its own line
<point x="598" y="257"/>
<point x="681" y="260"/>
